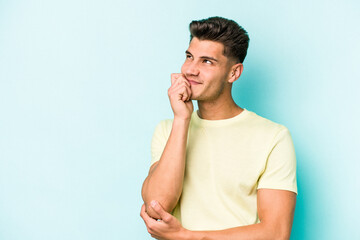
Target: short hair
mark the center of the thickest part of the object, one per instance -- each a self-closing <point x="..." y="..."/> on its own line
<point x="234" y="38"/>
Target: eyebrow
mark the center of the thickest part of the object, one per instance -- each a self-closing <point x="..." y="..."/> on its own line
<point x="203" y="57"/>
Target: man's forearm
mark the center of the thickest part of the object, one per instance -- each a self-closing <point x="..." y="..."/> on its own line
<point x="258" y="231"/>
<point x="164" y="183"/>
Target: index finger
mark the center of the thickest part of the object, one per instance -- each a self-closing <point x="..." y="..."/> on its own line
<point x="142" y="210"/>
<point x="174" y="77"/>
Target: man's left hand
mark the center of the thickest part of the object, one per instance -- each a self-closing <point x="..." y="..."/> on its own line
<point x="165" y="228"/>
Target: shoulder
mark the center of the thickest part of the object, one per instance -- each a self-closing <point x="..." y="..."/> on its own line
<point x="263" y="127"/>
<point x="165" y="124"/>
<point x="163" y="127"/>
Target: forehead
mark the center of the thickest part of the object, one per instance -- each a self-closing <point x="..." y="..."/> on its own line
<point x="207" y="48"/>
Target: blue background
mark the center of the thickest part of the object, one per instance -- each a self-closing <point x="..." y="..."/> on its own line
<point x="83" y="84"/>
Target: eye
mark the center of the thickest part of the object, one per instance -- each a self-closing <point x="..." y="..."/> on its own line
<point x="207" y="61"/>
<point x="188" y="56"/>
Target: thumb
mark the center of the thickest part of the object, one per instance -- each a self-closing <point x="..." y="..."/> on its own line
<point x="165" y="216"/>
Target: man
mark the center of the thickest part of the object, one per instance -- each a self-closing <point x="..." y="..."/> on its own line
<point x="223" y="172"/>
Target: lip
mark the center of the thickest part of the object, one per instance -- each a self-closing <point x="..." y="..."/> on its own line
<point x="192" y="82"/>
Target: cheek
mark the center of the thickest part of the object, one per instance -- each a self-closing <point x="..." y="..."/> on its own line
<point x="216" y="83"/>
<point x="183" y="68"/>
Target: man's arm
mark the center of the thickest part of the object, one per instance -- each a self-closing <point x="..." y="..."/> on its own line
<point x="276" y="212"/>
<point x="165" y="179"/>
<point x="275" y="209"/>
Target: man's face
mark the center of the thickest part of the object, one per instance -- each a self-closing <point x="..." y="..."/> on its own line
<point x="206" y="69"/>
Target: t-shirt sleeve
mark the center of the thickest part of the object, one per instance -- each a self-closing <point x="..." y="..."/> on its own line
<point x="159" y="140"/>
<point x="280" y="169"/>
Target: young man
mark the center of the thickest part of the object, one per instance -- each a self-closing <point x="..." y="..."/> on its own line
<point x="223" y="172"/>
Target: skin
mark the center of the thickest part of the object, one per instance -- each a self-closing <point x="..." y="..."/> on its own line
<point x="206" y="76"/>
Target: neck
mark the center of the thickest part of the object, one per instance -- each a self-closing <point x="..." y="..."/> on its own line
<point x="217" y="110"/>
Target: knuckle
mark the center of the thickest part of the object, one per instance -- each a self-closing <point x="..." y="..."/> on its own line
<point x="170" y="91"/>
<point x="175" y="75"/>
<point x="150" y="227"/>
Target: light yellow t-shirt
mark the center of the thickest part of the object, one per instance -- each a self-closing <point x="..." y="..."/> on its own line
<point x="226" y="162"/>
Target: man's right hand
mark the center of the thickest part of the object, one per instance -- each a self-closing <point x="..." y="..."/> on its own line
<point x="180" y="97"/>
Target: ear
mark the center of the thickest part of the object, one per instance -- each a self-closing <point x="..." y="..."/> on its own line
<point x="235" y="72"/>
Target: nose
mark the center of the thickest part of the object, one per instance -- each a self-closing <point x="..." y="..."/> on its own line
<point x="191" y="69"/>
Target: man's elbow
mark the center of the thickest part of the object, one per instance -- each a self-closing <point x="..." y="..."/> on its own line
<point x="283" y="237"/>
<point x="277" y="232"/>
<point x="282" y="233"/>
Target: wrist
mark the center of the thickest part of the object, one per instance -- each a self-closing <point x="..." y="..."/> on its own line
<point x="193" y="235"/>
<point x="182" y="120"/>
<point x="187" y="234"/>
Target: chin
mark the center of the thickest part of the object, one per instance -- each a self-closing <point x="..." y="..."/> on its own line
<point x="195" y="98"/>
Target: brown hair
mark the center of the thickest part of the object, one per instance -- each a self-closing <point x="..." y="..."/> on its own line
<point x="234" y="38"/>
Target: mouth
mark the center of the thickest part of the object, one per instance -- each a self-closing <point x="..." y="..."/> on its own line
<point x="192" y="82"/>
